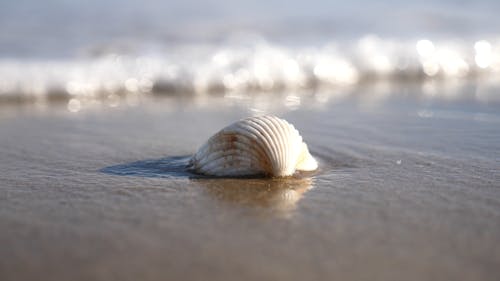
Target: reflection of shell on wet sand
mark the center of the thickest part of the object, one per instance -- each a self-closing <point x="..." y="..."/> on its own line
<point x="265" y="145"/>
<point x="273" y="194"/>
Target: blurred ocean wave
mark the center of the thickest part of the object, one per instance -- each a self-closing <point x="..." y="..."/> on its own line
<point x="259" y="66"/>
<point x="63" y="50"/>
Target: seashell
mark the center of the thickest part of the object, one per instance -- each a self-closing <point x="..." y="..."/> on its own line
<point x="264" y="145"/>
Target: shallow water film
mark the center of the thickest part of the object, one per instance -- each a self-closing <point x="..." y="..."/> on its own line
<point x="408" y="188"/>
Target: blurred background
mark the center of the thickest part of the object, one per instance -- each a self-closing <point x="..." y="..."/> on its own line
<point x="85" y="52"/>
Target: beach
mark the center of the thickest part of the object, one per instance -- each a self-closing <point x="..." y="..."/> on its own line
<point x="408" y="189"/>
<point x="102" y="104"/>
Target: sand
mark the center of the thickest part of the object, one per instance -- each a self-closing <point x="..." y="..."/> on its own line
<point x="408" y="189"/>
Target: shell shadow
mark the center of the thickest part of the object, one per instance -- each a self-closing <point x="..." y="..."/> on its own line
<point x="168" y="167"/>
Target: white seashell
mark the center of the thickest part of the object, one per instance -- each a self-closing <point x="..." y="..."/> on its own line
<point x="265" y="145"/>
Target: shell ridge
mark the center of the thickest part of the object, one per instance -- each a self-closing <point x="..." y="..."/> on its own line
<point x="273" y="139"/>
<point x="222" y="167"/>
<point x="280" y="140"/>
<point x="255" y="139"/>
<point x="268" y="141"/>
<point x="221" y="150"/>
<point x="229" y="142"/>
<point x="285" y="128"/>
<point x="261" y="137"/>
<point x="279" y="145"/>
<point x="226" y="154"/>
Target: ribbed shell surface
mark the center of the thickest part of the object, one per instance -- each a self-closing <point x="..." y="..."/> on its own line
<point x="264" y="145"/>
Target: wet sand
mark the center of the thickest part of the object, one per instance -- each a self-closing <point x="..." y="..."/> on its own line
<point x="409" y="189"/>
